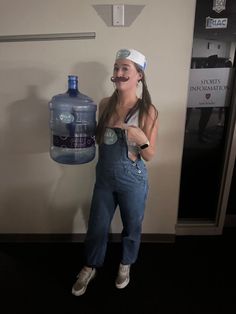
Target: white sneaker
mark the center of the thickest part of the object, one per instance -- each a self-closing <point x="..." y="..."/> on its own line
<point x="122" y="279"/>
<point x="84" y="277"/>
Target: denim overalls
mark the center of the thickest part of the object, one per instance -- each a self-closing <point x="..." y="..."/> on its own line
<point x="119" y="181"/>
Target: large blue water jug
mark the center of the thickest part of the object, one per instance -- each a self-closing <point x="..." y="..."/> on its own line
<point x="72" y="124"/>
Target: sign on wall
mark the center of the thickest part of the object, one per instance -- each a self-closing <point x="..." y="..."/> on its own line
<point x="209" y="87"/>
<point x="219" y="5"/>
<point x="212" y="23"/>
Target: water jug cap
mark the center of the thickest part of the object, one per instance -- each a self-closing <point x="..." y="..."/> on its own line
<point x="133" y="55"/>
<point x="72" y="77"/>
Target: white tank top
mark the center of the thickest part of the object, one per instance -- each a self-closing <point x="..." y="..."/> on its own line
<point x="132" y="146"/>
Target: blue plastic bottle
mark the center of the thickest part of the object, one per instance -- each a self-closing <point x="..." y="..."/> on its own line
<point x="72" y="124"/>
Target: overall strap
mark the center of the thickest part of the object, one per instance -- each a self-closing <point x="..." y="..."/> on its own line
<point x="132" y="111"/>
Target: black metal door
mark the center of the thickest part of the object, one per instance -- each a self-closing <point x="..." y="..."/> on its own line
<point x="209" y="111"/>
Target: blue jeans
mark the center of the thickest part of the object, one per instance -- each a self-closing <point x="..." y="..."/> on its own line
<point x="119" y="182"/>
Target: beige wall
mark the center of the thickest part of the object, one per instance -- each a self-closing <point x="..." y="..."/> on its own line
<point x="38" y="195"/>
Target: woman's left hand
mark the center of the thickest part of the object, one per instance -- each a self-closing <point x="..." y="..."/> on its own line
<point x="135" y="134"/>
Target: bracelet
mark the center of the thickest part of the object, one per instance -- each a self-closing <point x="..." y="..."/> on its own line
<point x="144" y="145"/>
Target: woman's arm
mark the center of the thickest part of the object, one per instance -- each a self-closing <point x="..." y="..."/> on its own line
<point x="147" y="134"/>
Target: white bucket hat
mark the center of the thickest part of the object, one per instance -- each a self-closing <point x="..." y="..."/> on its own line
<point x="133" y="55"/>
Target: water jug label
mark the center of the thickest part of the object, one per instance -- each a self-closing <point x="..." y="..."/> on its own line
<point x="73" y="142"/>
<point x="66" y="117"/>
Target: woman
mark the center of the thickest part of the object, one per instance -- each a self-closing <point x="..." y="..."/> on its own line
<point x="126" y="135"/>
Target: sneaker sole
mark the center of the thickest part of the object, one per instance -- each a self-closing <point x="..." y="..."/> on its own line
<point x="82" y="291"/>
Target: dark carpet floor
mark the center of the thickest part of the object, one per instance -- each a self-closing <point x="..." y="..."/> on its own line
<point x="193" y="275"/>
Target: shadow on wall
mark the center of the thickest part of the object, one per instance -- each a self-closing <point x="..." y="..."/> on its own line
<point x="38" y="194"/>
<point x="69" y="201"/>
<point x="93" y="79"/>
<point x="26" y="128"/>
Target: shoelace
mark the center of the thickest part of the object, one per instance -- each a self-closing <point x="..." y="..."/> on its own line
<point x="124" y="269"/>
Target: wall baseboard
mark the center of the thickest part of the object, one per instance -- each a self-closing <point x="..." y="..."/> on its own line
<point x="77" y="237"/>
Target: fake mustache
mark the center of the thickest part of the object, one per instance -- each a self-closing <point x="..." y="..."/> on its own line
<point x="119" y="79"/>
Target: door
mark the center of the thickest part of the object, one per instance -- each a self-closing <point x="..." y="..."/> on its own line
<point x="207" y="170"/>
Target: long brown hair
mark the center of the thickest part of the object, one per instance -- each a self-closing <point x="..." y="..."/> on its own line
<point x="143" y="105"/>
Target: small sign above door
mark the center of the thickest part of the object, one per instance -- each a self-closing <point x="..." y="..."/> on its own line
<point x="216" y="22"/>
<point x="219" y="5"/>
